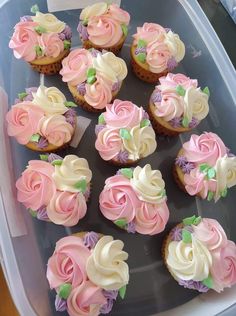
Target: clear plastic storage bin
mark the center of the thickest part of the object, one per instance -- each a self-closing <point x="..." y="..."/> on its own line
<point x="27" y="243"/>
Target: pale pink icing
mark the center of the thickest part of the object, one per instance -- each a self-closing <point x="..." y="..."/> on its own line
<point x="108" y="143"/>
<point x="210" y="233"/>
<point x="51" y="44"/>
<point x="206" y="148"/>
<point x="173" y="80"/>
<point x="85" y="300"/>
<point x="56" y="129"/>
<point x="23" y="119"/>
<point x="75" y="65"/>
<point x="122" y="114"/>
<point x="118" y="199"/>
<point x="98" y="94"/>
<point x="158" y="55"/>
<point x="150" y="32"/>
<point x="24" y="40"/>
<point x="66" y="208"/>
<point x="68" y="262"/>
<point x="35" y="187"/>
<point x="151" y="219"/>
<point x="171" y="105"/>
<point x="118" y="14"/>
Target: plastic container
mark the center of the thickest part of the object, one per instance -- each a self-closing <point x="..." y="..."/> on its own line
<point x="27" y="243"/>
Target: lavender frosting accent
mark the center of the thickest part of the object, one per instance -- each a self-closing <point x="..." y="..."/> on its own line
<point x="112" y="295"/>
<point x="188" y="167"/>
<point x="42" y="213"/>
<point x="139" y="50"/>
<point x="156" y="96"/>
<point x="167" y="29"/>
<point x="66" y="34"/>
<point x="193" y="123"/>
<point x="115" y="86"/>
<point x="70" y="116"/>
<point x="42" y="142"/>
<point x="181" y="161"/>
<point x="29" y="96"/>
<point x="176" y="234"/>
<point x="189" y="228"/>
<point x="87" y="194"/>
<point x="83" y="31"/>
<point x="94" y="52"/>
<point x="90" y="239"/>
<point x="98" y="128"/>
<point x="123" y="156"/>
<point x="131" y="227"/>
<point x="26" y="18"/>
<point x="53" y="157"/>
<point x="171" y="64"/>
<point x="194" y="285"/>
<point x="106" y="308"/>
<point x="81" y="88"/>
<point x="60" y="304"/>
<point x="145" y="116"/>
<point x="175" y="122"/>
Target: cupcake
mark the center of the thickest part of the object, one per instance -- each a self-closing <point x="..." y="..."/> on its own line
<point x="124" y="134"/>
<point x="155" y="51"/>
<point x="42" y="40"/>
<point x="177" y="104"/>
<point x="135" y="200"/>
<point x="88" y="271"/>
<point x="42" y="119"/>
<point x="103" y="26"/>
<point x="199" y="256"/>
<point x="56" y="189"/>
<point x="94" y="78"/>
<point x="205" y="167"/>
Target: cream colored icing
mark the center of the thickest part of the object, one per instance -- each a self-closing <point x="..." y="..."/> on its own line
<point x="175" y="45"/>
<point x="96" y="9"/>
<point x="49" y="21"/>
<point x="195" y="104"/>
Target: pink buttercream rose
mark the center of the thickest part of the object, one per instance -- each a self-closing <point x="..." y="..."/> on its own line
<point x="22" y="121"/>
<point x="206" y="148"/>
<point x="118" y="199"/>
<point x="66" y="208"/>
<point x="104" y="31"/>
<point x="158" y="55"/>
<point x="68" y="262"/>
<point x="151" y="219"/>
<point x="24" y="40"/>
<point x="118" y="14"/>
<point x="108" y="143"/>
<point x="35" y="187"/>
<point x="51" y="44"/>
<point x="223" y="269"/>
<point x="171" y="81"/>
<point x="98" y="94"/>
<point x="85" y="300"/>
<point x="171" y="105"/>
<point x="122" y="114"/>
<point x="55" y="129"/>
<point x="149" y="32"/>
<point x="210" y="233"/>
<point x="75" y="65"/>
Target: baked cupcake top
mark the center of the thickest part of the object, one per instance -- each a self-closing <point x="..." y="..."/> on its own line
<point x="38" y="36"/>
<point x="179" y="101"/>
<point x="96" y="75"/>
<point x="103" y="24"/>
<point x="124" y="133"/>
<point x="87" y="272"/>
<point x="158" y="47"/>
<point x="199" y="255"/>
<point x="56" y="189"/>
<point x="135" y="200"/>
<point x="41" y="116"/>
<point x="208" y="166"/>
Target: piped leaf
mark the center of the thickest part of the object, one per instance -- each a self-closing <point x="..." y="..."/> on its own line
<point x="224" y="192"/>
<point x="180" y="90"/>
<point x="57" y="162"/>
<point x="185" y="122"/>
<point x="204" y="167"/>
<point x="127" y="172"/>
<point x="70" y="104"/>
<point x="211" y="173"/>
<point x="101" y="119"/>
<point x="67" y="44"/>
<point x="121" y="222"/>
<point x="40" y="29"/>
<point x="39" y="51"/>
<point x="206" y="91"/>
<point x="122" y="291"/>
<point x="189" y="220"/>
<point x="34" y="8"/>
<point x="208" y="282"/>
<point x="43" y="157"/>
<point x="35" y="138"/>
<point x="32" y="212"/>
<point x="186" y="236"/>
<point x="125" y="134"/>
<point x="141" y="57"/>
<point x="124" y="29"/>
<point x="141" y="43"/>
<point x="64" y="290"/>
<point x="91" y="72"/>
<point x="81" y="185"/>
<point x="22" y="95"/>
<point x="144" y="123"/>
<point x="91" y="80"/>
<point x="197" y="220"/>
<point x="210" y="196"/>
<point x="163" y="193"/>
<point x="85" y="22"/>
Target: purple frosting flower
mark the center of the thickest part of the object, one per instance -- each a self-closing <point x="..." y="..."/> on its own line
<point x="112" y="295"/>
<point x="42" y="213"/>
<point x="139" y="50"/>
<point x="171" y="64"/>
<point x="194" y="285"/>
<point x="175" y="122"/>
<point x="156" y="96"/>
<point x="53" y="157"/>
<point x="167" y="29"/>
<point x="66" y="34"/>
<point x="90" y="239"/>
<point x="42" y="142"/>
<point x="29" y="96"/>
<point x="81" y="88"/>
<point x="188" y="167"/>
<point x="70" y="116"/>
<point x="115" y="86"/>
<point x="145" y="116"/>
<point x="106" y="308"/>
<point x="94" y="52"/>
<point x="60" y="304"/>
<point x="123" y="156"/>
<point x="26" y="18"/>
<point x="131" y="227"/>
<point x="98" y="128"/>
<point x="83" y="31"/>
<point x="181" y="161"/>
<point x="176" y="234"/>
<point x="193" y="123"/>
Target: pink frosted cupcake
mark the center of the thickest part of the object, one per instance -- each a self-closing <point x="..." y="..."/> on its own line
<point x="177" y="104"/>
<point x="124" y="134"/>
<point x="155" y="51"/>
<point x="56" y="189"/>
<point x="42" y="119"/>
<point x="88" y="271"/>
<point x="41" y="40"/>
<point x="205" y="167"/>
<point x="103" y="26"/>
<point x="94" y="78"/>
<point x="135" y="200"/>
<point x="199" y="256"/>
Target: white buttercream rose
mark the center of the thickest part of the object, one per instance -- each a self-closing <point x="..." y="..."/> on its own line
<point x="49" y="21"/>
<point x="175" y="45"/>
<point x="195" y="104"/>
<point x="96" y="9"/>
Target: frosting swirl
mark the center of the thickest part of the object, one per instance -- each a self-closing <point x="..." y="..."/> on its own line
<point x="95" y="9"/>
<point x="175" y="45"/>
<point x="149" y="32"/>
<point x="49" y="21"/>
<point x="51" y="44"/>
<point x="118" y="14"/>
<point x="158" y="55"/>
<point x="172" y="80"/>
<point x="108" y="143"/>
<point x="195" y="104"/>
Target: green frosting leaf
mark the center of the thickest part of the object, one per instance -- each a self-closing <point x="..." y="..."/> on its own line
<point x="180" y="90"/>
<point x="208" y="282"/>
<point x="197" y="220"/>
<point x="85" y="22"/>
<point x="210" y="196"/>
<point x="142" y="43"/>
<point x="101" y="119"/>
<point x="57" y="162"/>
<point x="70" y="104"/>
<point x="124" y="29"/>
<point x="35" y="138"/>
<point x="185" y="122"/>
<point x="206" y="91"/>
<point x="22" y="95"/>
<point x="91" y="72"/>
<point x="163" y="193"/>
<point x="32" y="212"/>
<point x="39" y="51"/>
<point x="43" y="157"/>
<point x="121" y="222"/>
<point x="141" y="57"/>
<point x="189" y="220"/>
<point x="91" y="80"/>
<point x="122" y="291"/>
<point x="64" y="290"/>
<point x="186" y="236"/>
<point x="224" y="192"/>
<point x="40" y="29"/>
<point x="67" y="44"/>
<point x="144" y="123"/>
<point x="34" y="8"/>
<point x="125" y="134"/>
<point x="211" y="173"/>
<point x="81" y="185"/>
<point x="127" y="172"/>
<point x="204" y="167"/>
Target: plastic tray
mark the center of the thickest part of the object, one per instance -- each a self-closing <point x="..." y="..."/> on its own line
<point x="27" y="243"/>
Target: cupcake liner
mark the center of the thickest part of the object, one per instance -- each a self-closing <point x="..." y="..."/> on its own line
<point x="179" y="177"/>
<point x="129" y="163"/>
<point x="114" y="49"/>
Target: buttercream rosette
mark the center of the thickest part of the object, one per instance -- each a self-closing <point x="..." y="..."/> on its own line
<point x="42" y="40"/>
<point x="135" y="200"/>
<point x="155" y="51"/>
<point x="56" y="189"/>
<point x="87" y="271"/>
<point x="94" y="78"/>
<point x="124" y="133"/>
<point x="42" y="119"/>
<point x="177" y="104"/>
<point x="199" y="256"/>
<point x="103" y="26"/>
<point x="205" y="167"/>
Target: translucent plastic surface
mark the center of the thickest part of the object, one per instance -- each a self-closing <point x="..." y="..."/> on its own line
<point x="151" y="288"/>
